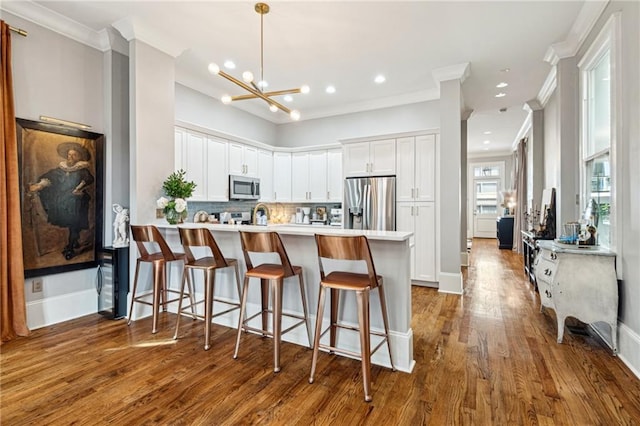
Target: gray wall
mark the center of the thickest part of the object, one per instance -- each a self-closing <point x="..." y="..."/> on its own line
<point x="58" y="77"/>
<point x="627" y="158"/>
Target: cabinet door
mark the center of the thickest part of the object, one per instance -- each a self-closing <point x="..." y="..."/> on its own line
<point x="180" y="141"/>
<point x="405" y="222"/>
<point x="334" y="175"/>
<point x="425" y="170"/>
<point x="299" y="176"/>
<point x="356" y="159"/>
<point x="281" y="176"/>
<point x="425" y="234"/>
<point x="382" y="156"/>
<point x="265" y="173"/>
<point x="317" y="176"/>
<point x="195" y="162"/>
<point x="406" y="160"/>
<point x="251" y="161"/>
<point x="236" y="159"/>
<point x="217" y="174"/>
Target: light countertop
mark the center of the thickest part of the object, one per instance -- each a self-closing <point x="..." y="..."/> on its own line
<point x="294" y="229"/>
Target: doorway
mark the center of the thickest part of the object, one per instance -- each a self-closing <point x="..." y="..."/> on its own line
<point x="486" y="182"/>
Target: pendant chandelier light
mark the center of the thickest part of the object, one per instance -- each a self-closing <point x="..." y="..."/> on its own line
<point x="248" y="83"/>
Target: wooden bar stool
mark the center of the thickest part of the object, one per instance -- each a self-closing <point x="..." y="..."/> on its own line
<point x="352" y="249"/>
<point x="202" y="237"/>
<point x="150" y="234"/>
<point x="273" y="274"/>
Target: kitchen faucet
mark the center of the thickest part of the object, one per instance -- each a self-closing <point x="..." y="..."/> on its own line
<point x="255" y="211"/>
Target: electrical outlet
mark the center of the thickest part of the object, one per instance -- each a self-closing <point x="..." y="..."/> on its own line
<point x="36" y="285"/>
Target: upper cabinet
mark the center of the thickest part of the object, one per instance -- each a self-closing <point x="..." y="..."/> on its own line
<point x="416" y="168"/>
<point x="281" y="176"/>
<point x="203" y="158"/>
<point x="374" y="158"/>
<point x="243" y="160"/>
<point x="309" y="176"/>
<point x="265" y="173"/>
<point x="334" y="175"/>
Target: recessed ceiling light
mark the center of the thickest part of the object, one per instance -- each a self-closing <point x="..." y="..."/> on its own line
<point x="502" y="84"/>
<point x="380" y="79"/>
<point x="488" y="132"/>
<point x="505" y="70"/>
<point x="330" y="89"/>
<point x="486" y="149"/>
<point x="501" y="95"/>
<point x="288" y="98"/>
<point x="486" y="142"/>
<point x="262" y="84"/>
<point x="230" y="65"/>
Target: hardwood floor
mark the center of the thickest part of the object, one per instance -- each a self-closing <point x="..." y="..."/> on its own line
<point x="487" y="358"/>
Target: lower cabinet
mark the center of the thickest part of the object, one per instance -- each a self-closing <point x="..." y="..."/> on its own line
<point x="419" y="218"/>
<point x="504" y="232"/>
<point x="578" y="282"/>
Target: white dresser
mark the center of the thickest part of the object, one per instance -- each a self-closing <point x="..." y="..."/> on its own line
<point x="579" y="283"/>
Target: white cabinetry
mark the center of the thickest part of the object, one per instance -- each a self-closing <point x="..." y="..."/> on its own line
<point x="191" y="157"/>
<point x="309" y="176"/>
<point x="580" y="283"/>
<point x="243" y="160"/>
<point x="281" y="176"/>
<point x="265" y="172"/>
<point x="419" y="218"/>
<point x="374" y="158"/>
<point x="416" y="167"/>
<point x="217" y="188"/>
<point x="334" y="175"/>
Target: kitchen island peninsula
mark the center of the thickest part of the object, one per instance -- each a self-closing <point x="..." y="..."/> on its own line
<point x="391" y="255"/>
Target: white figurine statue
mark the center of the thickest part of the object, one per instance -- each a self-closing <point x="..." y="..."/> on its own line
<point x="120" y="229"/>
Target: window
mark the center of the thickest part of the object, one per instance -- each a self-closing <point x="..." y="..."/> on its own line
<point x="597" y="169"/>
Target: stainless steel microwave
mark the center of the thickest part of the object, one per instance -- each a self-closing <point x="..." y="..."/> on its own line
<point x="244" y="188"/>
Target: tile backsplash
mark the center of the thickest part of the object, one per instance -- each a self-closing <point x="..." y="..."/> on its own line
<point x="280" y="212"/>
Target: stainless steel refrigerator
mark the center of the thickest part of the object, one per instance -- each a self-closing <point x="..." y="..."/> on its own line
<point x="370" y="203"/>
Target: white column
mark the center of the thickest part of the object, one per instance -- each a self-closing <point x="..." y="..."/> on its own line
<point x="451" y="107"/>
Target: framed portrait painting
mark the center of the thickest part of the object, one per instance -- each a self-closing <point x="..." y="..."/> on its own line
<point x="61" y="187"/>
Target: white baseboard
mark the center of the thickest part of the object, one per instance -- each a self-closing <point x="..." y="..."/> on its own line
<point x="464" y="258"/>
<point x="53" y="310"/>
<point x="629" y="348"/>
<point x="450" y="283"/>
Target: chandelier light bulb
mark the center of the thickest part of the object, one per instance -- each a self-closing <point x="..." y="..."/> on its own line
<point x="262" y="84"/>
<point x="226" y="99"/>
<point x="305" y="89"/>
<point x="247" y="76"/>
<point x="295" y="115"/>
<point x="214" y="68"/>
<point x="273" y="108"/>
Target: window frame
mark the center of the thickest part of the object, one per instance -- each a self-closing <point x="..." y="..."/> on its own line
<point x="607" y="41"/>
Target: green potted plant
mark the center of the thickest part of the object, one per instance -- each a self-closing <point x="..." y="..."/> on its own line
<point x="178" y="190"/>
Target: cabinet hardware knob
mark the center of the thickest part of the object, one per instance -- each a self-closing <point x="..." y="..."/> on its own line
<point x="554" y="256"/>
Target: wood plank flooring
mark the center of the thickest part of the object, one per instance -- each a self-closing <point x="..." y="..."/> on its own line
<point x="486" y="358"/>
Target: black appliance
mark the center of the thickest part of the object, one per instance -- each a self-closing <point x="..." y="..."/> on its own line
<point x="112" y="281"/>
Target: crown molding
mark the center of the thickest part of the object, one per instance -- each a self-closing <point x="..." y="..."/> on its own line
<point x="548" y="87"/>
<point x="57" y="23"/>
<point x="452" y="72"/>
<point x="587" y="18"/>
<point x="131" y="29"/>
<point x="526" y="124"/>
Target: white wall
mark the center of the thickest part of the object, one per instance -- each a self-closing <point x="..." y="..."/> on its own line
<point x="323" y="131"/>
<point x="204" y="111"/>
<point x="58" y="77"/>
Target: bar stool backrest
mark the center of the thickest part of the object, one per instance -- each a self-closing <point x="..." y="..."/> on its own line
<point x="265" y="242"/>
<point x="346" y="248"/>
<point x="150" y="234"/>
<point x="201" y="237"/>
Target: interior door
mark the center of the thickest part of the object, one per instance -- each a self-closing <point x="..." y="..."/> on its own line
<point x="485" y="207"/>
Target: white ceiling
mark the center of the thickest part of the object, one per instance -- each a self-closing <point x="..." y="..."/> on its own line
<point x="346" y="44"/>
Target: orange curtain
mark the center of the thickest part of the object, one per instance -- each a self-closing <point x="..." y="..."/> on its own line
<point x="13" y="316"/>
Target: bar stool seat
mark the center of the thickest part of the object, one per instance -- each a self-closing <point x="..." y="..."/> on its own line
<point x="149" y="234"/>
<point x="202" y="237"/>
<point x="349" y="248"/>
<point x="272" y="278"/>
